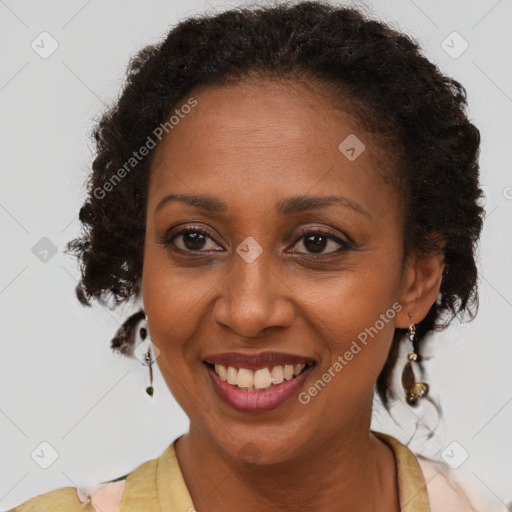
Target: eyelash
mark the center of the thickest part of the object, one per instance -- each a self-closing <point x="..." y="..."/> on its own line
<point x="167" y="241"/>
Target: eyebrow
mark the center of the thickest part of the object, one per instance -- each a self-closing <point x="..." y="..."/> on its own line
<point x="288" y="206"/>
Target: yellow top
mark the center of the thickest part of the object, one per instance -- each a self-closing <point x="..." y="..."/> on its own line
<point x="157" y="485"/>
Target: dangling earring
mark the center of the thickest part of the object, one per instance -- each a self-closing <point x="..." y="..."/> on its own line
<point x="413" y="390"/>
<point x="146" y="357"/>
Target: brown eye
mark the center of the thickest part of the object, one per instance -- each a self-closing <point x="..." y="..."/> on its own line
<point x="193" y="240"/>
<point x="190" y="240"/>
<point x="316" y="242"/>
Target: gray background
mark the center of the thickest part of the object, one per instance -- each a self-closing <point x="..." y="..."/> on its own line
<point x="60" y="382"/>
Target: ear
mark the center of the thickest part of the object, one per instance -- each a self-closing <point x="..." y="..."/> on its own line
<point x="421" y="284"/>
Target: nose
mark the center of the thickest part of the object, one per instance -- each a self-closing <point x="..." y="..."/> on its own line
<point x="254" y="297"/>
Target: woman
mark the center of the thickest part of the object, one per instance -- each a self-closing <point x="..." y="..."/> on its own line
<point x="291" y="191"/>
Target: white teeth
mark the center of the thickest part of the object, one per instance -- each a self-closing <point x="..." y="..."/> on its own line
<point x="277" y="375"/>
<point x="232" y="375"/>
<point x="264" y="378"/>
<point x="288" y="372"/>
<point x="298" y="368"/>
<point x="245" y="378"/>
<point x="221" y="371"/>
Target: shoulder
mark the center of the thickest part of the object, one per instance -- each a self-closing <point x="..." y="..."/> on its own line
<point x="104" y="497"/>
<point x="64" y="499"/>
<point x="447" y="491"/>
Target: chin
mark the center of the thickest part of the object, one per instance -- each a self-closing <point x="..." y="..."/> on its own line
<point x="266" y="448"/>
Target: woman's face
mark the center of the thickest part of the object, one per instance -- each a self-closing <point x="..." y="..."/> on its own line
<point x="253" y="277"/>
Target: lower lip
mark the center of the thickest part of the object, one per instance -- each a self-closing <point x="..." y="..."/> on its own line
<point x="257" y="401"/>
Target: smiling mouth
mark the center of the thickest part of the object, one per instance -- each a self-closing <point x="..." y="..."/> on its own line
<point x="261" y="379"/>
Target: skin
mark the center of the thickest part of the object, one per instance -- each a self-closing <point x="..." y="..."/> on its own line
<point x="251" y="145"/>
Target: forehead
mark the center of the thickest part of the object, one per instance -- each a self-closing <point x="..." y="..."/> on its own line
<point x="264" y="136"/>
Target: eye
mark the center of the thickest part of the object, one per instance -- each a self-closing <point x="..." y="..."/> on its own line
<point x="195" y="239"/>
<point x="316" y="241"/>
<point x="190" y="239"/>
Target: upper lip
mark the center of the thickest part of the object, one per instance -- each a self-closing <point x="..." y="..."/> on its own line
<point x="256" y="361"/>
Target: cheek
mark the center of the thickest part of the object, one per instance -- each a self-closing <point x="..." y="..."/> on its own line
<point x="355" y="297"/>
<point x="355" y="326"/>
<point x="173" y="306"/>
<point x="355" y="315"/>
<point x="173" y="301"/>
<point x="172" y="293"/>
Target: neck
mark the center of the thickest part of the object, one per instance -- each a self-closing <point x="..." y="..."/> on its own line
<point x="346" y="470"/>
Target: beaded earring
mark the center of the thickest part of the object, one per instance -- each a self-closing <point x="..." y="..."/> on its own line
<point x="413" y="390"/>
<point x="147" y="358"/>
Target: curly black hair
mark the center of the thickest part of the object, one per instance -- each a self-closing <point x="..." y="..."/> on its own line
<point x="394" y="91"/>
